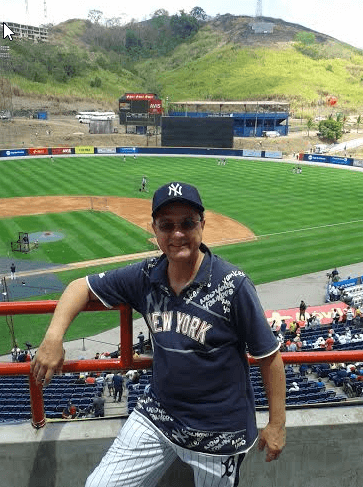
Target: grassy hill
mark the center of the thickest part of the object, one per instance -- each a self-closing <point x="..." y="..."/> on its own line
<point x="219" y="59"/>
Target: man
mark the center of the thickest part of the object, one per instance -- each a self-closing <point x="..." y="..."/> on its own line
<point x="302" y="309"/>
<point x="99" y="405"/>
<point x="283" y="327"/>
<point x="12" y="271"/>
<point x="141" y="339"/>
<point x="202" y="313"/>
<point x="117" y="386"/>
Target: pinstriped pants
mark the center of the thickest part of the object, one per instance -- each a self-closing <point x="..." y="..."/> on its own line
<point x="140" y="455"/>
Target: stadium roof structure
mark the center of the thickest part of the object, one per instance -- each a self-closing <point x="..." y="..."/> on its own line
<point x="262" y="106"/>
<point x="221" y="102"/>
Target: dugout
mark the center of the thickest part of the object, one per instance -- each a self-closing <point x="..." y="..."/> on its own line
<point x="250" y="118"/>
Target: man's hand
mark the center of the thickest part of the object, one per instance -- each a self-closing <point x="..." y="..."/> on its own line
<point x="48" y="360"/>
<point x="273" y="438"/>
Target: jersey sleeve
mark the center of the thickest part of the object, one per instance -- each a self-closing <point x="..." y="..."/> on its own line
<point x="251" y="323"/>
<point x="124" y="285"/>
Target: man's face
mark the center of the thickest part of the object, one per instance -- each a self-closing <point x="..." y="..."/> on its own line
<point x="180" y="242"/>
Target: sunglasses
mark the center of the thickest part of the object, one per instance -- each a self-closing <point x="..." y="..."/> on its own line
<point x="186" y="225"/>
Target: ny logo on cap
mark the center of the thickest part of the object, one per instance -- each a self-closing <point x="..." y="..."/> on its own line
<point x="176" y="188"/>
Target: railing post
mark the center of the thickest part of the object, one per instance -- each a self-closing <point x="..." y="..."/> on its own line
<point x="36" y="403"/>
<point x="126" y="339"/>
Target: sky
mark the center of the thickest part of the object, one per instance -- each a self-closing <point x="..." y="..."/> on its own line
<point x="338" y="18"/>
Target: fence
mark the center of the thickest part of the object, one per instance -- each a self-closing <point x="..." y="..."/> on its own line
<point x="126" y="360"/>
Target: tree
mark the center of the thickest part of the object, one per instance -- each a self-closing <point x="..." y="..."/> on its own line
<point x="199" y="14"/>
<point x="161" y="12"/>
<point x="183" y="25"/>
<point x="95" y="16"/>
<point x="330" y="129"/>
<point x="114" y="21"/>
<point x="132" y="42"/>
<point x="310" y="124"/>
<point x="306" y="38"/>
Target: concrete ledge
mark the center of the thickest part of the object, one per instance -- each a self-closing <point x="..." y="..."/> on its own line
<point x="324" y="449"/>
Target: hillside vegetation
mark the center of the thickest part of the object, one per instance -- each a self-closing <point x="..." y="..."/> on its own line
<point x="187" y="57"/>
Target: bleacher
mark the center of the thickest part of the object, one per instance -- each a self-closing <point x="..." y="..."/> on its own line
<point x="310" y="337"/>
<point x="310" y="392"/>
<point x="15" y="402"/>
<point x="354" y="295"/>
<point x="136" y="390"/>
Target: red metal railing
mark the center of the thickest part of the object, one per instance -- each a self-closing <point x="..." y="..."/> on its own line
<point x="126" y="360"/>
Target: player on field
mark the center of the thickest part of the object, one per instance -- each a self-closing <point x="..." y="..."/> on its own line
<point x="203" y="314"/>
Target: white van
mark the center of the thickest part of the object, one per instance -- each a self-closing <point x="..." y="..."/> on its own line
<point x="271" y="133"/>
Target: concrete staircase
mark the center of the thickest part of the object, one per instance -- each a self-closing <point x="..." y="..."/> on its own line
<point x="115" y="408"/>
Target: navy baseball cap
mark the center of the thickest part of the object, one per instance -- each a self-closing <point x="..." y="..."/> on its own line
<point x="172" y="192"/>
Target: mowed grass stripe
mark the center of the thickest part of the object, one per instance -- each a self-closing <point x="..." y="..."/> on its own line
<point x="87" y="235"/>
<point x="81" y="242"/>
<point x="105" y="234"/>
<point x="279" y="257"/>
<point x="263" y="195"/>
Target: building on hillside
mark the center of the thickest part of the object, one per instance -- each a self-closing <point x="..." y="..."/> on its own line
<point x="22" y="31"/>
<point x="262" y="27"/>
<point x="250" y="118"/>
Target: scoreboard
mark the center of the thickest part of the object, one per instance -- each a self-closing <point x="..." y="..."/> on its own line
<point x="197" y="132"/>
<point x="140" y="109"/>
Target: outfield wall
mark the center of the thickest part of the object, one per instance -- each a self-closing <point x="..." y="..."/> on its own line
<point x="167" y="151"/>
<point x="91" y="150"/>
<point x="323" y="449"/>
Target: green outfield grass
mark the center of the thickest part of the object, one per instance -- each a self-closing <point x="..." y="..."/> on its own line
<point x="305" y="222"/>
<point x="87" y="235"/>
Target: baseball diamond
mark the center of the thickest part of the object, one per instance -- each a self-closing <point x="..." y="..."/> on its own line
<point x="293" y="227"/>
<point x="220" y="230"/>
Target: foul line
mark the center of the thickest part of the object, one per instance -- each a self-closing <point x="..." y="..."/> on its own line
<point x="309" y="228"/>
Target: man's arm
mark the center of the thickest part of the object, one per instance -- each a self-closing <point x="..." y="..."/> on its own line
<point x="273" y="436"/>
<point x="50" y="355"/>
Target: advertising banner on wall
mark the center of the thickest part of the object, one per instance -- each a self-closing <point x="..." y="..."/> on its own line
<point x="38" y="152"/>
<point x="273" y="154"/>
<point x="62" y="150"/>
<point x="85" y="149"/>
<point x="251" y="153"/>
<point x="345" y="161"/>
<point x="315" y="158"/>
<point x="105" y="150"/>
<point x="13" y="152"/>
<point x="126" y="150"/>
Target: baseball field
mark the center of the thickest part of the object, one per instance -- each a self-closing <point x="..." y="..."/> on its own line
<point x="266" y="219"/>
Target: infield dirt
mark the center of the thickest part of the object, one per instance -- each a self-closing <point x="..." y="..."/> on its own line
<point x="134" y="210"/>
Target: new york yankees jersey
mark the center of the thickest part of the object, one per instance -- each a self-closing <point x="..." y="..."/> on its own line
<point x="201" y="396"/>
